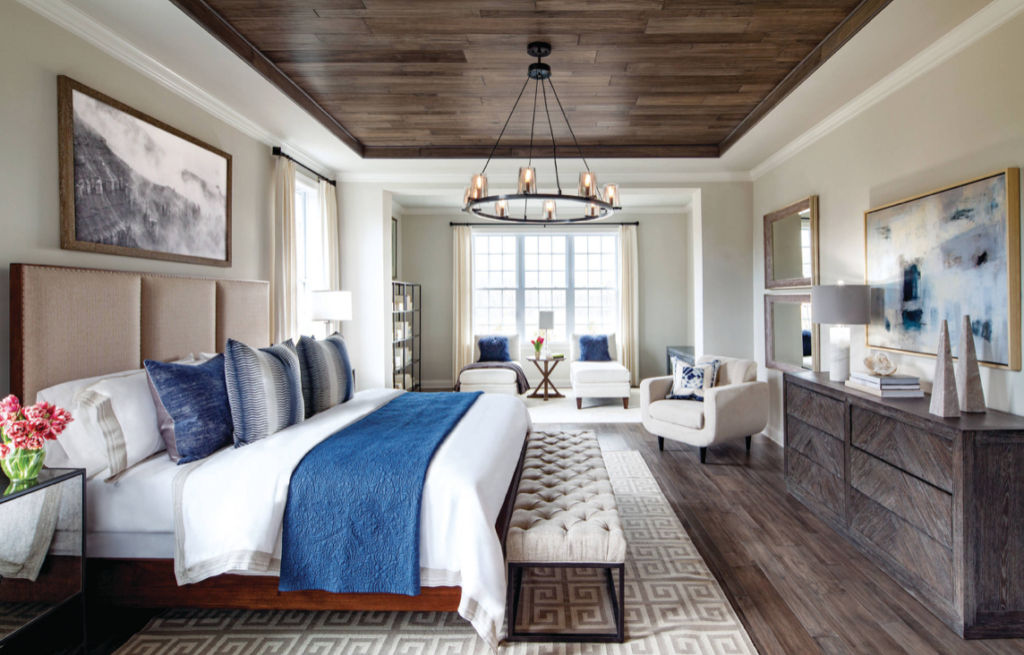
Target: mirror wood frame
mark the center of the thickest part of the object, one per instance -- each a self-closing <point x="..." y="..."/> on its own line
<point x="809" y="203"/>
<point x="770" y="301"/>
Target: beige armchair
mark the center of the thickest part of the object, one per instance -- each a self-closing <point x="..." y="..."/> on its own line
<point x="737" y="406"/>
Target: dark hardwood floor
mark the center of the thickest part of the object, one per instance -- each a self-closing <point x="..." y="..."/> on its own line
<point x="797" y="585"/>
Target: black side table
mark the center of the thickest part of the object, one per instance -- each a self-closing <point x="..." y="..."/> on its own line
<point x="42" y="562"/>
<point x="685" y="353"/>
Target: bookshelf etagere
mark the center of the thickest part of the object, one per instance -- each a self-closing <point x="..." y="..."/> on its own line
<point x="406" y="324"/>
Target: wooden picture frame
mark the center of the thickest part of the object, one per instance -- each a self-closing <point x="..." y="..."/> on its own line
<point x="809" y="204"/>
<point x="770" y="300"/>
<point x="1011" y="199"/>
<point x="195" y="201"/>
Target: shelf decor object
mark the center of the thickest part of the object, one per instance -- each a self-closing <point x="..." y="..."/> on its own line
<point x="944" y="398"/>
<point x="840" y="305"/>
<point x="593" y="204"/>
<point x="944" y="254"/>
<point x="968" y="376"/>
<point x="406" y="340"/>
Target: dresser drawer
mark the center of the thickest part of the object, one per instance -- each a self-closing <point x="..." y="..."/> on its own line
<point x="906" y="447"/>
<point x="925" y="507"/>
<point x="825" y="451"/>
<point x="916" y="553"/>
<point x="816" y="481"/>
<point x="822" y="412"/>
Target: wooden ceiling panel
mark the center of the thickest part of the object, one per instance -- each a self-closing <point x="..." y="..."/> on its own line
<point x="437" y="78"/>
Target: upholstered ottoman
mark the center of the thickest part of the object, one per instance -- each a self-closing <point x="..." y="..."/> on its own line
<point x="565" y="516"/>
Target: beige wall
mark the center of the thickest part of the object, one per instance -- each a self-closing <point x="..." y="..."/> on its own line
<point x="33" y="52"/>
<point x="960" y="120"/>
<point x="664" y="263"/>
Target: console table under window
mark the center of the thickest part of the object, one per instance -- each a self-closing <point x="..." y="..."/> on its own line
<point x="937" y="503"/>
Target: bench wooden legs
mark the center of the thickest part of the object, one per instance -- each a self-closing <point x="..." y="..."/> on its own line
<point x="748" y="444"/>
<point x="579" y="403"/>
<point x="661" y="443"/>
<point x="618" y="599"/>
<point x="703" y="455"/>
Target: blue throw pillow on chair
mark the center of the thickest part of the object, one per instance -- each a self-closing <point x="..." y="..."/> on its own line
<point x="195" y="398"/>
<point x="692" y="382"/>
<point x="594" y="348"/>
<point x="494" y="349"/>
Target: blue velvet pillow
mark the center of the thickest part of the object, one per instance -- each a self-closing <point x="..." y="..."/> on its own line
<point x="196" y="399"/>
<point x="494" y="349"/>
<point x="594" y="348"/>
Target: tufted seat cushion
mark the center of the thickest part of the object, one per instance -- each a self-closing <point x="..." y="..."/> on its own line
<point x="565" y="509"/>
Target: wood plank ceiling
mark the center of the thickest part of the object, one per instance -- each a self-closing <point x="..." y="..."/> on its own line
<point x="437" y="78"/>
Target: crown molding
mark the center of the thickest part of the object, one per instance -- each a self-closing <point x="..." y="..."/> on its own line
<point x="985" y="21"/>
<point x="459" y="180"/>
<point x="87" y="28"/>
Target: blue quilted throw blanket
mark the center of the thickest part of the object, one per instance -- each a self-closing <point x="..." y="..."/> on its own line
<point x="352" y="520"/>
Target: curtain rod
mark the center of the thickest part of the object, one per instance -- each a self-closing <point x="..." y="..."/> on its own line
<point x="453" y="224"/>
<point x="277" y="152"/>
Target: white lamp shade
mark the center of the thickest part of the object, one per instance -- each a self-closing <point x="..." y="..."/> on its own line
<point x="841" y="304"/>
<point x="331" y="305"/>
<point x="547" y="320"/>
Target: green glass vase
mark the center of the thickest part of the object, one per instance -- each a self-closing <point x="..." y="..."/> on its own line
<point x="22" y="465"/>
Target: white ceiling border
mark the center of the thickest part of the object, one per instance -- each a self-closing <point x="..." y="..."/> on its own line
<point x="985" y="21"/>
<point x="82" y="25"/>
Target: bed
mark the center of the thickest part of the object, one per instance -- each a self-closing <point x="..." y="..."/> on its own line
<point x="70" y="324"/>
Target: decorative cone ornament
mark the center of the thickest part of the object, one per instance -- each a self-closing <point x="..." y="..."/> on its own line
<point x="968" y="377"/>
<point x="944" y="399"/>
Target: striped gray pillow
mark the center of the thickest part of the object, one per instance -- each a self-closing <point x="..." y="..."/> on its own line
<point x="264" y="389"/>
<point x="326" y="373"/>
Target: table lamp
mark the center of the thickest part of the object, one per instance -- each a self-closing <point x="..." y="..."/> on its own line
<point x="328" y="306"/>
<point x="546" y="321"/>
<point x="840" y="305"/>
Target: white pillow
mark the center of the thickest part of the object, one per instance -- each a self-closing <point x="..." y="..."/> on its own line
<point x="76" y="450"/>
<point x="119" y="417"/>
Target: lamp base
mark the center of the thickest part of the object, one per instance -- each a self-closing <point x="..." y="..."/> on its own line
<point x="839" y="353"/>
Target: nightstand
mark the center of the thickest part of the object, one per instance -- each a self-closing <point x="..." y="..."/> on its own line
<point x="42" y="562"/>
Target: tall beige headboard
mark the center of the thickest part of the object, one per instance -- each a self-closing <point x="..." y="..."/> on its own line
<point x="74" y="323"/>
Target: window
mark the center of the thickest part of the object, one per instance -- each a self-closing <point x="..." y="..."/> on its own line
<point x="516" y="277"/>
<point x="311" y="264"/>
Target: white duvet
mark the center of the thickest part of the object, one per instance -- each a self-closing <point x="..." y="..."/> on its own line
<point x="229" y="508"/>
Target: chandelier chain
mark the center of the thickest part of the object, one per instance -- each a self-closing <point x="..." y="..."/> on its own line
<point x="487" y="163"/>
<point x="578" y="149"/>
<point x="533" y="121"/>
<point x="554" y="146"/>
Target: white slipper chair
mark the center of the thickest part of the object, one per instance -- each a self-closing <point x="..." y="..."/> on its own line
<point x="492" y="380"/>
<point x="597" y="379"/>
<point x="737" y="406"/>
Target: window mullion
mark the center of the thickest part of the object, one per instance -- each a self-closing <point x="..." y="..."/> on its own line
<point x="570" y="282"/>
<point x="521" y="289"/>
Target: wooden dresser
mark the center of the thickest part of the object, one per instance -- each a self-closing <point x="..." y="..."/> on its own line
<point x="936" y="503"/>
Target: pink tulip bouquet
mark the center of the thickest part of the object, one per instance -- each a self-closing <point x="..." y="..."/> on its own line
<point x="538" y="343"/>
<point x="25" y="431"/>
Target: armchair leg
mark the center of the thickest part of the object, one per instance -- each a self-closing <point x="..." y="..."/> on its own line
<point x="703" y="455"/>
<point x="661" y="443"/>
<point x="625" y="403"/>
<point x="748" y="444"/>
<point x="579" y="403"/>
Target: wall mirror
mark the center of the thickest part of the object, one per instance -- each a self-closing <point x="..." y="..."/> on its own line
<point x="791" y="245"/>
<point x="791" y="341"/>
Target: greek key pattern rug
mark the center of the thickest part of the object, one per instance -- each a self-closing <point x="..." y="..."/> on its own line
<point x="673" y="605"/>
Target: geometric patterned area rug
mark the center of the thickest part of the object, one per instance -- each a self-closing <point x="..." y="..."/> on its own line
<point x="673" y="604"/>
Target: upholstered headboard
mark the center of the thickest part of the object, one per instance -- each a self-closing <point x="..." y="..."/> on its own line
<point x="74" y="323"/>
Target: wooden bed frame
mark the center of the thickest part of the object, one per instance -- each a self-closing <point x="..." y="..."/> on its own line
<point x="151" y="583"/>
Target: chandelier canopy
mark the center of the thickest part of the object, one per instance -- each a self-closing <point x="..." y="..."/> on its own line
<point x="593" y="204"/>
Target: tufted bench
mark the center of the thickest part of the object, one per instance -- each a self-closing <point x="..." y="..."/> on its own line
<point x="565" y="516"/>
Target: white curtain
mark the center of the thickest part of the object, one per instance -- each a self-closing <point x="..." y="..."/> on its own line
<point x="332" y="243"/>
<point x="462" y="298"/>
<point x="284" y="291"/>
<point x="629" y="309"/>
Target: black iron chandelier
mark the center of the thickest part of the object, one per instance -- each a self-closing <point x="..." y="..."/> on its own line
<point x="595" y="204"/>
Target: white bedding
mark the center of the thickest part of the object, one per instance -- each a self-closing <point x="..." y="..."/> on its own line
<point x="229" y="508"/>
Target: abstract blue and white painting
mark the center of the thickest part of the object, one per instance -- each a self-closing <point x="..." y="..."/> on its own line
<point x="939" y="257"/>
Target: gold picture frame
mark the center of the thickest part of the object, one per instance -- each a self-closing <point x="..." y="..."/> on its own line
<point x="1012" y="240"/>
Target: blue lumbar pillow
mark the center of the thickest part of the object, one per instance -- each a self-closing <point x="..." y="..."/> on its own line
<point x="494" y="349"/>
<point x="264" y="389"/>
<point x="594" y="348"/>
<point x="195" y="399"/>
<point x="326" y="373"/>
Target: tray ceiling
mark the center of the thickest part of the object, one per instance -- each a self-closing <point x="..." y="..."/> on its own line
<point x="637" y="78"/>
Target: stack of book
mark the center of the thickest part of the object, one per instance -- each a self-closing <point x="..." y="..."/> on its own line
<point x="886" y="386"/>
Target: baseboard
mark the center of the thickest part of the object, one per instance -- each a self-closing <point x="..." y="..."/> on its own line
<point x="774" y="434"/>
